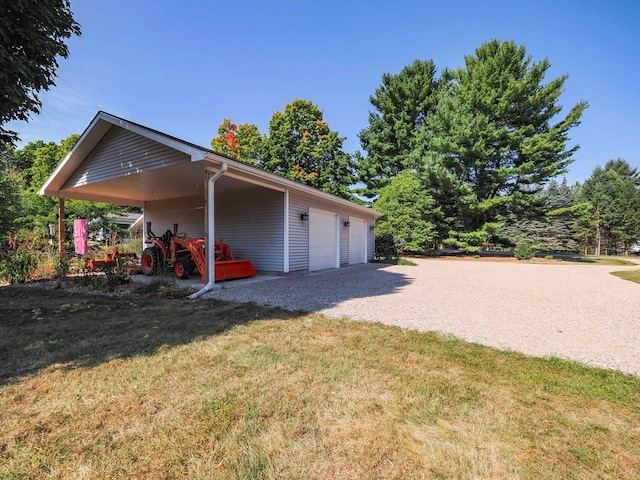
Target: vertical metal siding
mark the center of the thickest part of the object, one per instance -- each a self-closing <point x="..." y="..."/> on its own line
<point x="252" y="223"/>
<point x="121" y="153"/>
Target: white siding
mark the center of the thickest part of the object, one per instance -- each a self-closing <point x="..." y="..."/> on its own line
<point x="187" y="212"/>
<point x="371" y="239"/>
<point x="121" y="153"/>
<point x="299" y="230"/>
<point x="298" y="234"/>
<point x="251" y="221"/>
<point x="344" y="240"/>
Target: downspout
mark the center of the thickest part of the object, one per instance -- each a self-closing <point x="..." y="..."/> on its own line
<point x="210" y="250"/>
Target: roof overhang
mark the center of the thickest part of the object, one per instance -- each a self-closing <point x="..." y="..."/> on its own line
<point x="178" y="180"/>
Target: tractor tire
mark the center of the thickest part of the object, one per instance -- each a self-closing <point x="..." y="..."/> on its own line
<point x="151" y="261"/>
<point x="183" y="266"/>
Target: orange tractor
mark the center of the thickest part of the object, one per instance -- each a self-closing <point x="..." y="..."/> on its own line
<point x="185" y="255"/>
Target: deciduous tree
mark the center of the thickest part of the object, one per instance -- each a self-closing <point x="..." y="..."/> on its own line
<point x="408" y="211"/>
<point x="302" y="147"/>
<point x="32" y="37"/>
<point x="240" y="142"/>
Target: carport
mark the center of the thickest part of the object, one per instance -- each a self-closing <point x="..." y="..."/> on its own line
<point x="264" y="217"/>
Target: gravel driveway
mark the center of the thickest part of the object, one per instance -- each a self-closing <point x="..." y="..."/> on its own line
<point x="574" y="311"/>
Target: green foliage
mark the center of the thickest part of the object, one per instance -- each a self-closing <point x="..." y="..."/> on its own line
<point x="492" y="137"/>
<point x="302" y="147"/>
<point x="484" y="138"/>
<point x="407" y="263"/>
<point x="553" y="230"/>
<point x="408" y="212"/>
<point x="388" y="246"/>
<point x="61" y="267"/>
<point x="610" y="219"/>
<point x="19" y="267"/>
<point x="240" y="142"/>
<point x="33" y="37"/>
<point x="31" y="167"/>
<point x="402" y="103"/>
<point x="523" y="251"/>
<point x="11" y="204"/>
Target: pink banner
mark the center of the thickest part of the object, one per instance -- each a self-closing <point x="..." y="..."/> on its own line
<point x="80" y="235"/>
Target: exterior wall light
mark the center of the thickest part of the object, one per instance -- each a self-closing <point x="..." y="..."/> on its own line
<point x="346" y="223"/>
<point x="304" y="216"/>
<point x="372" y="228"/>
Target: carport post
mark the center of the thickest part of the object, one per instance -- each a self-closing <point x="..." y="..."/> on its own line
<point x="62" y="251"/>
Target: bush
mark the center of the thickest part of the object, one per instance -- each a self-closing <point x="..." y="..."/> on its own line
<point x="523" y="251"/>
<point x="61" y="267"/>
<point x="388" y="246"/>
<point x="19" y="267"/>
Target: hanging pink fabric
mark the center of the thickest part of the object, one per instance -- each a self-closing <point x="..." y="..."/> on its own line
<point x="80" y="235"/>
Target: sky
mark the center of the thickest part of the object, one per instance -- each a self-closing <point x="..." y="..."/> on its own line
<point x="183" y="67"/>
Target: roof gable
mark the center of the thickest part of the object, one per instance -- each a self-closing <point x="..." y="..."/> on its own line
<point x="122" y="153"/>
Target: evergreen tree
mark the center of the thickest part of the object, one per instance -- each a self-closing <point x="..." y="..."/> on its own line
<point x="611" y="223"/>
<point x="402" y="104"/>
<point x="554" y="231"/>
<point x="492" y="141"/>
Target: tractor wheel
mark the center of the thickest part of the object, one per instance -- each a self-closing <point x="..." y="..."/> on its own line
<point x="183" y="266"/>
<point x="151" y="261"/>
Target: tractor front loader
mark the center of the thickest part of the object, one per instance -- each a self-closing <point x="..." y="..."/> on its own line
<point x="175" y="251"/>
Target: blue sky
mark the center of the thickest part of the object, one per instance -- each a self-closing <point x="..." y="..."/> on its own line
<point x="182" y="67"/>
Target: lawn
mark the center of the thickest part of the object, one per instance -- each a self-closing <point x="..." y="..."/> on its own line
<point x="631" y="275"/>
<point x="93" y="386"/>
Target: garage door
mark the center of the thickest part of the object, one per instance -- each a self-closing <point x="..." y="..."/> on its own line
<point x="323" y="240"/>
<point x="357" y="241"/>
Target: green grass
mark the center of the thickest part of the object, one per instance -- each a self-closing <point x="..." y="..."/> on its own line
<point x="610" y="261"/>
<point x="397" y="261"/>
<point x="631" y="275"/>
<point x="134" y="387"/>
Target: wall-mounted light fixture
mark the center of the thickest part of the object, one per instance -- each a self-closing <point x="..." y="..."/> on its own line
<point x="346" y="223"/>
<point x="304" y="216"/>
<point x="372" y="228"/>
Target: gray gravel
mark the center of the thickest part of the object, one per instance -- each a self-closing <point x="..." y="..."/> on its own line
<point x="580" y="312"/>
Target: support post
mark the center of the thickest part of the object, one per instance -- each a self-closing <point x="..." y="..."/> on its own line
<point x="62" y="251"/>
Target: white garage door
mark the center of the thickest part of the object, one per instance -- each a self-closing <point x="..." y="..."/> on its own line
<point x="357" y="241"/>
<point x="323" y="240"/>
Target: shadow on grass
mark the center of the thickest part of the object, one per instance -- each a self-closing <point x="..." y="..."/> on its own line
<point x="40" y="327"/>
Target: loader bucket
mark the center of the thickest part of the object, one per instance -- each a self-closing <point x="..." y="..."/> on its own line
<point x="229" y="269"/>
